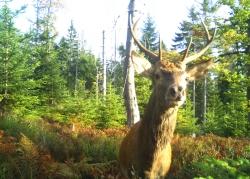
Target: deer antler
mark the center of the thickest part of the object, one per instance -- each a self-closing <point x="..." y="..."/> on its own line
<point x="160" y="48"/>
<point x="187" y="50"/>
<point x="153" y="57"/>
<point x="210" y="39"/>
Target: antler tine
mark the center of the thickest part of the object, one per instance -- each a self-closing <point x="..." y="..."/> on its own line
<point x="188" y="48"/>
<point x="207" y="32"/>
<point x="153" y="57"/>
<point x="160" y="48"/>
<point x="210" y="39"/>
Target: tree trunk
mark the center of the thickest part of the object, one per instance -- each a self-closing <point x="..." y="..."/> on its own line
<point x="132" y="109"/>
<point x="248" y="74"/>
<point x="205" y="99"/>
<point x="97" y="85"/>
<point x="194" y="98"/>
<point x="76" y="75"/>
<point x="104" y="84"/>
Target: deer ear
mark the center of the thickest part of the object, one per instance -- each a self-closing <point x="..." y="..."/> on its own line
<point x="198" y="70"/>
<point x="141" y="65"/>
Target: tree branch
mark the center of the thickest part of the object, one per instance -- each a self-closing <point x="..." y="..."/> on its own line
<point x="233" y="53"/>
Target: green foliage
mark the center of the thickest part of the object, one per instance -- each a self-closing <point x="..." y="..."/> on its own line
<point x="186" y="122"/>
<point x="143" y="91"/>
<point x="79" y="67"/>
<point x="101" y="112"/>
<point x="72" y="59"/>
<point x="87" y="70"/>
<point x="115" y="74"/>
<point x="15" y="83"/>
<point x="235" y="56"/>
<point x="180" y="40"/>
<point x="111" y="112"/>
<point x="102" y="149"/>
<point x="228" y="168"/>
<point x="227" y="87"/>
<point x="228" y="117"/>
<point x="193" y="28"/>
<point x="44" y="148"/>
<point x="149" y="36"/>
<point x="50" y="84"/>
<point x="62" y="142"/>
<point x="188" y="151"/>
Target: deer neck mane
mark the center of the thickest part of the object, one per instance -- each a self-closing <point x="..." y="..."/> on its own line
<point x="159" y="120"/>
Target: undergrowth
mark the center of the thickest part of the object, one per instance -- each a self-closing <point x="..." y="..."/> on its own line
<point x="188" y="150"/>
<point x="220" y="169"/>
<point x="47" y="149"/>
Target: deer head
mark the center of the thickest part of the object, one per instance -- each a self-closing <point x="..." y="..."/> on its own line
<point x="169" y="78"/>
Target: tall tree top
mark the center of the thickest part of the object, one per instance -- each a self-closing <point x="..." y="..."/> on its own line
<point x="150" y="36"/>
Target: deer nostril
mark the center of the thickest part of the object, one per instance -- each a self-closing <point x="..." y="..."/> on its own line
<point x="178" y="98"/>
<point x="173" y="92"/>
<point x="180" y="89"/>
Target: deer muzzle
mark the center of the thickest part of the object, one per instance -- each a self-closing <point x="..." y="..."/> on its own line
<point x="176" y="94"/>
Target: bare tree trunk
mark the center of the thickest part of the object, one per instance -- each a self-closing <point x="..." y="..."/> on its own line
<point x="97" y="82"/>
<point x="37" y="20"/>
<point x="194" y="98"/>
<point x="104" y="84"/>
<point x="205" y="99"/>
<point x="133" y="114"/>
<point x="6" y="72"/>
<point x="76" y="75"/>
<point x="248" y="90"/>
<point x="248" y="74"/>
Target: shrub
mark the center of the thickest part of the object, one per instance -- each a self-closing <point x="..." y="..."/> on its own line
<point x="110" y="111"/>
<point x="186" y="122"/>
<point x="143" y="91"/>
<point x="222" y="169"/>
<point x="188" y="150"/>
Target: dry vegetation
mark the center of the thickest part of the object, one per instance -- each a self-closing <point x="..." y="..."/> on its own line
<point x="53" y="150"/>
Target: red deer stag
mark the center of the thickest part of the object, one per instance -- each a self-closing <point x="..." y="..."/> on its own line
<point x="146" y="151"/>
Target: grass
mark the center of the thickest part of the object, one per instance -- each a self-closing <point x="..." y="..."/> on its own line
<point x="70" y="153"/>
<point x="48" y="149"/>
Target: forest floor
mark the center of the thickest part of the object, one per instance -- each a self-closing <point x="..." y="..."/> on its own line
<point x="48" y="149"/>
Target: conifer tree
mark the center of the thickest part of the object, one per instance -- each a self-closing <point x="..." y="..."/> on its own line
<point x="234" y="64"/>
<point x="47" y="74"/>
<point x="73" y="61"/>
<point x="149" y="35"/>
<point x="193" y="28"/>
<point x="15" y="82"/>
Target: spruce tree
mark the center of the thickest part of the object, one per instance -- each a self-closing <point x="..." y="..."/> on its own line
<point x="47" y="74"/>
<point x="73" y="61"/>
<point x="16" y="84"/>
<point x="149" y="35"/>
<point x="234" y="66"/>
<point x="78" y="67"/>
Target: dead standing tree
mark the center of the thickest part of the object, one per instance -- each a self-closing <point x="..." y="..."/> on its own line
<point x="132" y="108"/>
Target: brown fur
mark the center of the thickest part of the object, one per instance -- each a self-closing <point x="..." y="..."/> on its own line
<point x="166" y="65"/>
<point x="146" y="150"/>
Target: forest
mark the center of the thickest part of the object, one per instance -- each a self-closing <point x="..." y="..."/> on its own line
<point x="58" y="120"/>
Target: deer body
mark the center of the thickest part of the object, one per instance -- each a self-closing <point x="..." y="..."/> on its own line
<point x="146" y="150"/>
